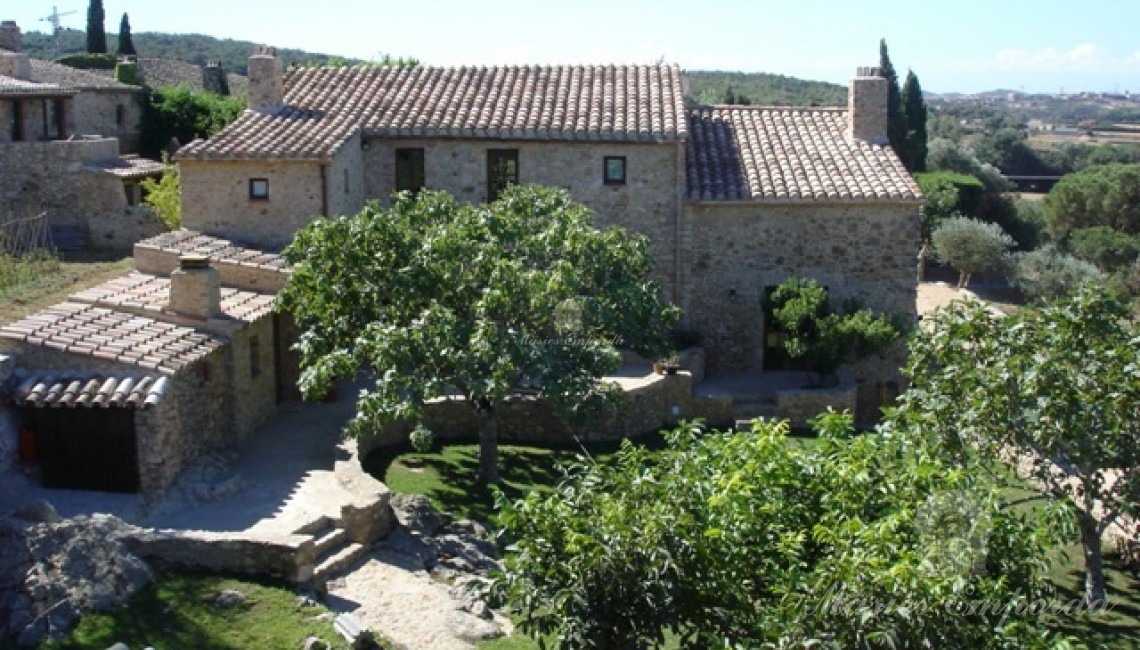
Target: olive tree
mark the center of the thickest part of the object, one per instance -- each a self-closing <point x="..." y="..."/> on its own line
<point x="971" y="246"/>
<point x="1059" y="386"/>
<point x="435" y="297"/>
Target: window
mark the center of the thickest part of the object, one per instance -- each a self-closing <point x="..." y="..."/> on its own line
<point x="254" y="357"/>
<point x="121" y="115"/>
<point x="409" y="170"/>
<point x="502" y="171"/>
<point x="613" y="170"/>
<point x="259" y="189"/>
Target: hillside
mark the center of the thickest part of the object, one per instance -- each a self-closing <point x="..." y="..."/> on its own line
<point x="192" y="48"/>
<point x="706" y="87"/>
<point x="710" y="87"/>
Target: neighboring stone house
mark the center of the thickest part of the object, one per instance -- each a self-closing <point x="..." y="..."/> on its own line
<point x="127" y="382"/>
<point x="734" y="199"/>
<point x="48" y="165"/>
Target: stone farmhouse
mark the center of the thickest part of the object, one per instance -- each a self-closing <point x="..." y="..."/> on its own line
<point x="62" y="135"/>
<point x="127" y="382"/>
<point x="733" y="199"/>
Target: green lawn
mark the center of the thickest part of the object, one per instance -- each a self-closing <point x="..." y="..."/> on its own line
<point x="177" y="611"/>
<point x="447" y="474"/>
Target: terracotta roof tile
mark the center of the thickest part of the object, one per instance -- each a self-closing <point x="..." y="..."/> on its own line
<point x="11" y="86"/>
<point x="124" y="335"/>
<point x="323" y="107"/>
<point x="50" y="72"/>
<point x="141" y="291"/>
<point x="182" y="242"/>
<point x="129" y="167"/>
<point x="742" y="153"/>
<point x="78" y="389"/>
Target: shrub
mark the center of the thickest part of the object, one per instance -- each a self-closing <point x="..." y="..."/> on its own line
<point x="971" y="246"/>
<point x="1049" y="273"/>
<point x="421" y="439"/>
<point x="823" y="339"/>
<point x="1107" y="248"/>
<point x="89" y="61"/>
<point x="164" y="196"/>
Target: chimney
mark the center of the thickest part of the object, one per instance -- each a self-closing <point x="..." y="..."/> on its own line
<point x="195" y="289"/>
<point x="214" y="78"/>
<point x="266" y="79"/>
<point x="13" y="62"/>
<point x="10" y="36"/>
<point x="867" y="107"/>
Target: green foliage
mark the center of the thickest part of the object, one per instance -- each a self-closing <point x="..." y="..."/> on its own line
<point x="421" y="438"/>
<point x="1059" y="384"/>
<point x="896" y="114"/>
<point x="750" y="540"/>
<point x="1107" y="248"/>
<point x="126" y="43"/>
<point x="185" y="114"/>
<point x="825" y="340"/>
<point x="127" y="73"/>
<point x="1008" y="149"/>
<point x="947" y="193"/>
<point x="731" y="97"/>
<point x="1106" y="195"/>
<point x="761" y="88"/>
<point x="914" y="112"/>
<point x="971" y="246"/>
<point x="96" y="34"/>
<point x="1049" y="273"/>
<point x="434" y="297"/>
<point x="164" y="196"/>
<point x="89" y="61"/>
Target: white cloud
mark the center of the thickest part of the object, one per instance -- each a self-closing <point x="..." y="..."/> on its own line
<point x="1084" y="57"/>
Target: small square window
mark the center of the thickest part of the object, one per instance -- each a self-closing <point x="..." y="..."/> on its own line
<point x="258" y="189"/>
<point x="614" y="170"/>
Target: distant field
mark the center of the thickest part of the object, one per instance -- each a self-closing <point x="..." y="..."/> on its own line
<point x="1097" y="137"/>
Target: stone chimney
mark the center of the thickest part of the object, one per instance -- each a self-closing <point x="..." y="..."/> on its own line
<point x="266" y="79"/>
<point x="195" y="289"/>
<point x="10" y="37"/>
<point x="13" y="62"/>
<point x="867" y="107"/>
<point x="214" y="78"/>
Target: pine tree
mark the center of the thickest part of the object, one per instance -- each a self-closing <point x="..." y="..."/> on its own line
<point x="126" y="45"/>
<point x="896" y="119"/>
<point x="914" y="108"/>
<point x="96" y="34"/>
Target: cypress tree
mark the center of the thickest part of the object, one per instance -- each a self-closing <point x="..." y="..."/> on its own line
<point x="126" y="45"/>
<point x="96" y="35"/>
<point x="914" y="107"/>
<point x="896" y="120"/>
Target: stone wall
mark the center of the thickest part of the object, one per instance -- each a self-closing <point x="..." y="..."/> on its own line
<point x="797" y="406"/>
<point x="255" y="379"/>
<point x="863" y="252"/>
<point x="215" y="199"/>
<point x="647" y="203"/>
<point x="347" y="192"/>
<point x="289" y="557"/>
<point x="54" y="177"/>
<point x="111" y="113"/>
<point x="661" y="401"/>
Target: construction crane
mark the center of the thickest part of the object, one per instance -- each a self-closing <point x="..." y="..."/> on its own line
<point x="54" y="20"/>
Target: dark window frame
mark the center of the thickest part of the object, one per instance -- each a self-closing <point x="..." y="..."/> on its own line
<point x="611" y="180"/>
<point x="502" y="171"/>
<point x="259" y="195"/>
<point x="411" y="173"/>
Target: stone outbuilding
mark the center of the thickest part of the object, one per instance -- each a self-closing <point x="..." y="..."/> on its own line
<point x="733" y="199"/>
<point x="124" y="384"/>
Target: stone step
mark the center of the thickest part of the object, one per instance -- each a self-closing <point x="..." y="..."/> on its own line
<point x="316" y="526"/>
<point x="328" y="539"/>
<point x="332" y="564"/>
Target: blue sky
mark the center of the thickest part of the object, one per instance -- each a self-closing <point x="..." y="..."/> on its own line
<point x="965" y="45"/>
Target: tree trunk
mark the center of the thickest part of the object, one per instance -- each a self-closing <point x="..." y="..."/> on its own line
<point x="1095" y="594"/>
<point x="488" y="443"/>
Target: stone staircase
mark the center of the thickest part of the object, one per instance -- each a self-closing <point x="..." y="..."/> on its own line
<point x="335" y="552"/>
<point x="747" y="409"/>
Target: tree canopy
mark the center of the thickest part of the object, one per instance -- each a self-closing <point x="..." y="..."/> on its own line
<point x="1058" y="385"/>
<point x="1104" y="195"/>
<point x="751" y="540"/>
<point x="971" y="246"/>
<point x="914" y="110"/>
<point x="96" y="32"/>
<point x="126" y="43"/>
<point x="178" y="112"/>
<point x="439" y="298"/>
<point x="896" y="115"/>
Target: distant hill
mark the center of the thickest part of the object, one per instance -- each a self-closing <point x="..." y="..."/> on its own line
<point x="191" y="48"/>
<point x="711" y="87"/>
<point x="706" y="87"/>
